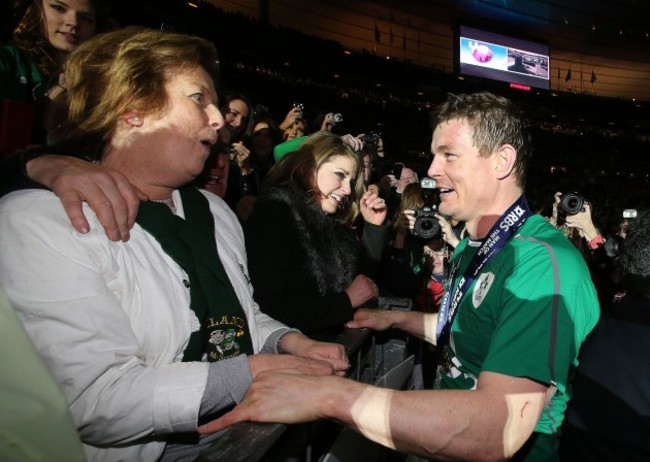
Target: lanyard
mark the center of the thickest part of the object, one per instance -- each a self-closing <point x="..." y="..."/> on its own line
<point x="506" y="226"/>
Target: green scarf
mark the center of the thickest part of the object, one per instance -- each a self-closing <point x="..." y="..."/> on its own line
<point x="191" y="243"/>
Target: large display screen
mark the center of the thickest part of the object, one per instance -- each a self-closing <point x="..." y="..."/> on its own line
<point x="499" y="57"/>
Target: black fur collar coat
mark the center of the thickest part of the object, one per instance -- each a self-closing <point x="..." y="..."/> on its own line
<point x="331" y="248"/>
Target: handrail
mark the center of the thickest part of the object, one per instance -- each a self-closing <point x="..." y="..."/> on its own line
<point x="250" y="441"/>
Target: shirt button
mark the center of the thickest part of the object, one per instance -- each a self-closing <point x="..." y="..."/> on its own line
<point x="186" y="283"/>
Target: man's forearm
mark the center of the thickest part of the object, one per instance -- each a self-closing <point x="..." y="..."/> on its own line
<point x="419" y="324"/>
<point x="440" y="424"/>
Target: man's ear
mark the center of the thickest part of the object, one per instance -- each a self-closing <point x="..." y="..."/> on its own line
<point x="132" y="118"/>
<point x="506" y="156"/>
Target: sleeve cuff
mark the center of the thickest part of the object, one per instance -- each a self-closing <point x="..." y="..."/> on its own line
<point x="596" y="241"/>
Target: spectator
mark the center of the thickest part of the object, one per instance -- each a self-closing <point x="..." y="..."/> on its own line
<point x="404" y="259"/>
<point x="403" y="178"/>
<point x="607" y="418"/>
<point x="509" y="335"/>
<point x="304" y="257"/>
<point x="297" y="129"/>
<point x="265" y="137"/>
<point x="214" y="177"/>
<point x="238" y="114"/>
<point x="580" y="229"/>
<point x="30" y="67"/>
<point x="237" y="111"/>
<point x="452" y="230"/>
<point x="294" y="115"/>
<point x="144" y="338"/>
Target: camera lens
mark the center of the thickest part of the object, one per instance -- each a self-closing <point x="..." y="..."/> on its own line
<point x="572" y="203"/>
<point x="426" y="227"/>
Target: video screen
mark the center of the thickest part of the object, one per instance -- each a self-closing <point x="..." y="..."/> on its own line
<point x="499" y="57"/>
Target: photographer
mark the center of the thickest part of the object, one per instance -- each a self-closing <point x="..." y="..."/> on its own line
<point x="452" y="231"/>
<point x="407" y="265"/>
<point x="371" y="155"/>
<point x="328" y="121"/>
<point x="584" y="225"/>
<point x="403" y="177"/>
<point x="574" y="214"/>
<point x="613" y="369"/>
<point x="294" y="115"/>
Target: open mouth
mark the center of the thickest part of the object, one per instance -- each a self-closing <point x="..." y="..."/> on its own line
<point x="444" y="191"/>
<point x="213" y="179"/>
<point x="209" y="141"/>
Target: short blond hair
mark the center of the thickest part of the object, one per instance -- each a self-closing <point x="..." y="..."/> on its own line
<point x="123" y="70"/>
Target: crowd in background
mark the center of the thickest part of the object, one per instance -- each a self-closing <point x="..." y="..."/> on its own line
<point x="384" y="146"/>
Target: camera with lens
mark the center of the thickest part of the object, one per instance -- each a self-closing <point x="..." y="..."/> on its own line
<point x="570" y="204"/>
<point x="426" y="225"/>
<point x="613" y="244"/>
<point x="370" y="138"/>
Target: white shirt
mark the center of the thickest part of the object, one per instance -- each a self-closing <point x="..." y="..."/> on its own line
<point x="111" y="320"/>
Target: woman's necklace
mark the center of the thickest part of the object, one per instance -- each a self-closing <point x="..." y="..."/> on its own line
<point x="169" y="200"/>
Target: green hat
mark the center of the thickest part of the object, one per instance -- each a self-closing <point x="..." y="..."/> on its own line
<point x="288" y="147"/>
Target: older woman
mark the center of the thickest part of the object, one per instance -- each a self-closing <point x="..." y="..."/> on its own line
<point x="146" y="337"/>
<point x="304" y="257"/>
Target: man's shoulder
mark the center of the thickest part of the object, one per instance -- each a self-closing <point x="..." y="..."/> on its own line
<point x="538" y="232"/>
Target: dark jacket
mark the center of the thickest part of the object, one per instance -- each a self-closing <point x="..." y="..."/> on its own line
<point x="22" y="93"/>
<point x="608" y="417"/>
<point x="301" y="261"/>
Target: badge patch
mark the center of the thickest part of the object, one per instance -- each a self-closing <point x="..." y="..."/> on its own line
<point x="481" y="288"/>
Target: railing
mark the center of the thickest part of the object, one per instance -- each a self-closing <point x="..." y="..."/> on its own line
<point x="250" y="441"/>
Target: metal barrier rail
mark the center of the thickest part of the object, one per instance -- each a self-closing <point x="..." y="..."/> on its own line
<point x="250" y="441"/>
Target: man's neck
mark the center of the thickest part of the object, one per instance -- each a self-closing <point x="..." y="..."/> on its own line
<point x="479" y="228"/>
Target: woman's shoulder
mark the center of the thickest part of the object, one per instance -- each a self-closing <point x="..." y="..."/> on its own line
<point x="9" y="51"/>
<point x="12" y="58"/>
<point x="275" y="201"/>
<point x="40" y="212"/>
<point x="9" y="58"/>
<point x="41" y="202"/>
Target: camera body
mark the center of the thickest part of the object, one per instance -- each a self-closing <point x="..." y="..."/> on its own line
<point x="570" y="204"/>
<point x="301" y="108"/>
<point x="613" y="244"/>
<point x="370" y="138"/>
<point x="426" y="225"/>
